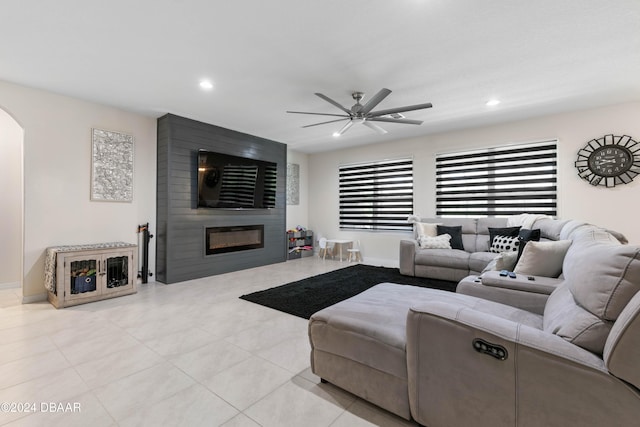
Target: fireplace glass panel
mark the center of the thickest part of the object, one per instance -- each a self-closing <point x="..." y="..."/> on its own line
<point x="232" y="239"/>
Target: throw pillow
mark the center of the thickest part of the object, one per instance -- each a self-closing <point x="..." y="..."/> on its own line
<point x="504" y="261"/>
<point x="426" y="229"/>
<point x="503" y="231"/>
<point x="525" y="235"/>
<point x="505" y="244"/>
<point x="456" y="235"/>
<point x="438" y="242"/>
<point x="528" y="235"/>
<point x="543" y="258"/>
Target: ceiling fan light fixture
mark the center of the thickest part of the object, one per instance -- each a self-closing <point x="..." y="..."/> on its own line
<point x="344" y="128"/>
<point x="206" y="85"/>
<point x="375" y="127"/>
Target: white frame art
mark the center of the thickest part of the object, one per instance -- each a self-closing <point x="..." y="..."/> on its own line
<point x="111" y="166"/>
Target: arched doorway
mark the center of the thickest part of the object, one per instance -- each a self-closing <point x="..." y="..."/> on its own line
<point x="11" y="207"/>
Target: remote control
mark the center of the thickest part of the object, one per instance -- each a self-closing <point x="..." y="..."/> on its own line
<point x="512" y="275"/>
<point x="504" y="273"/>
<point x="531" y="278"/>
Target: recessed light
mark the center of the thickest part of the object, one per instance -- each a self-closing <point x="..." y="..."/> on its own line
<point x="493" y="102"/>
<point x="206" y="85"/>
<point x="336" y="134"/>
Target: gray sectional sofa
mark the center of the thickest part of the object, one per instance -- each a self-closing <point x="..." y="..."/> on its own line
<point x="450" y="359"/>
<point x="456" y="264"/>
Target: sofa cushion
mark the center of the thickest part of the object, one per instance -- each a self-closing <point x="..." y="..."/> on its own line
<point x="622" y="349"/>
<point x="456" y="235"/>
<point x="603" y="276"/>
<point x="565" y="318"/>
<point x="449" y="258"/>
<point x="369" y="327"/>
<point x="543" y="258"/>
<point x="550" y="228"/>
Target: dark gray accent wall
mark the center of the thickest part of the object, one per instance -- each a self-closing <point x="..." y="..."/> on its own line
<point x="180" y="224"/>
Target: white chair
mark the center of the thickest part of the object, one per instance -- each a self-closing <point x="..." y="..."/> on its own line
<point x="354" y="252"/>
<point x="324" y="248"/>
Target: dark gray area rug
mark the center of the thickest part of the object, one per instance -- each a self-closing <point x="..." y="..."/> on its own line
<point x="305" y="297"/>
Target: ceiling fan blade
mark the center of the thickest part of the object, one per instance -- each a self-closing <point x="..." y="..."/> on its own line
<point x="344" y="128"/>
<point x="390" y="120"/>
<point x="324" y="123"/>
<point x="334" y="103"/>
<point x="399" y="110"/>
<point x="377" y="99"/>
<point x="317" y="114"/>
<point x="374" y="127"/>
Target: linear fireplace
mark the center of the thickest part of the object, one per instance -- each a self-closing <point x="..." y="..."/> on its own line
<point x="220" y="240"/>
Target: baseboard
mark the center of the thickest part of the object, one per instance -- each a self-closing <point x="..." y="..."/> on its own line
<point x="382" y="262"/>
<point x="34" y="298"/>
<point x="9" y="285"/>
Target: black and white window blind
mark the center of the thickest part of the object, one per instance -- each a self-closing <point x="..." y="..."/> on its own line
<point x="503" y="181"/>
<point x="376" y="195"/>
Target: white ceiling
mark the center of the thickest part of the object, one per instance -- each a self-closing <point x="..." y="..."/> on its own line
<point x="265" y="57"/>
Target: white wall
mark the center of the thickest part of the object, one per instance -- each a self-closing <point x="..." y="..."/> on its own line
<point x="11" y="135"/>
<point x="616" y="208"/>
<point x="299" y="214"/>
<point x="57" y="159"/>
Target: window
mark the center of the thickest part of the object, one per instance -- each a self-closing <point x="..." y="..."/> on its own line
<point x="376" y="195"/>
<point x="497" y="181"/>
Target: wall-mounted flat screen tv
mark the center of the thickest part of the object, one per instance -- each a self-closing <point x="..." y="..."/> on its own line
<point x="232" y="182"/>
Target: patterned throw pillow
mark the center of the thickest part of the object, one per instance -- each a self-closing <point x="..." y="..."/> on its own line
<point x="502" y="231"/>
<point x="438" y="242"/>
<point x="505" y="244"/>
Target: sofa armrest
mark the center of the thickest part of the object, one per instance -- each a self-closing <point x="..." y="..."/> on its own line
<point x="505" y="329"/>
<point x="542" y="378"/>
<point x="530" y="295"/>
<point x="539" y="284"/>
<point x="408" y="256"/>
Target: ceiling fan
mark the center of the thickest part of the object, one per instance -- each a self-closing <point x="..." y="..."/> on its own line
<point x="363" y="113"/>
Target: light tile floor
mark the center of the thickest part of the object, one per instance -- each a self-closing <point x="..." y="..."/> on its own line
<point x="190" y="354"/>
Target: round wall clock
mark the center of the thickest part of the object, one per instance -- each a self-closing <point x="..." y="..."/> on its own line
<point x="609" y="160"/>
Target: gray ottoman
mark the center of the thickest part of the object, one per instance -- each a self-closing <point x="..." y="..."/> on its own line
<point x="359" y="345"/>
